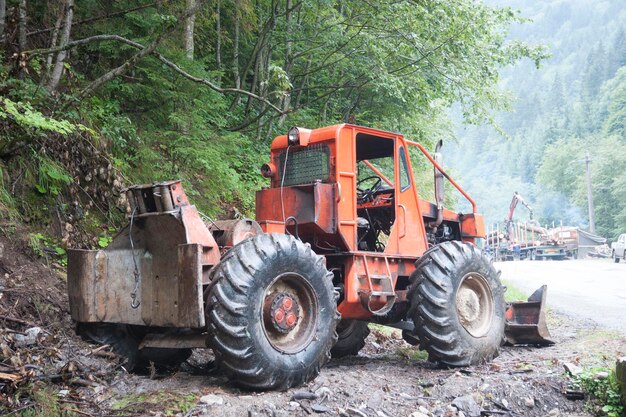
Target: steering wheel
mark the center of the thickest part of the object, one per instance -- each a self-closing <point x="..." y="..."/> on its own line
<point x="367" y="194"/>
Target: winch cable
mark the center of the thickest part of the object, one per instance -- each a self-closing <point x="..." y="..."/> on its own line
<point x="133" y="295"/>
<point x="282" y="183"/>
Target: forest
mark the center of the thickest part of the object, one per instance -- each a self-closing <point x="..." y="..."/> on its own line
<point x="96" y="95"/>
<point x="571" y="108"/>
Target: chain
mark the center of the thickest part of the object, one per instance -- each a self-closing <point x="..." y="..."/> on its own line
<point x="133" y="295"/>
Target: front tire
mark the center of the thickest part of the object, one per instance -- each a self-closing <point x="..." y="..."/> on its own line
<point x="271" y="313"/>
<point x="615" y="257"/>
<point x="351" y="338"/>
<point x="457" y="305"/>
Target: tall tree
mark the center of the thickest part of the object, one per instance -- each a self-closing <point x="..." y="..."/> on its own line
<point x="3" y="12"/>
<point x="189" y="29"/>
<point x="57" y="71"/>
<point x="22" y="25"/>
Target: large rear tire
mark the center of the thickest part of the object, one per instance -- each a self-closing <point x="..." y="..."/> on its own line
<point x="271" y="313"/>
<point x="351" y="338"/>
<point x="457" y="305"/>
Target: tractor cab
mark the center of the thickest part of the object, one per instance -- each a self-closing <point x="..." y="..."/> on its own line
<point x="349" y="188"/>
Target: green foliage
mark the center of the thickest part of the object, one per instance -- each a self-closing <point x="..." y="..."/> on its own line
<point x="573" y="107"/>
<point x="393" y="65"/>
<point x="604" y="392"/>
<point x="47" y="247"/>
<point x="25" y="116"/>
<point x="51" y="177"/>
<point x="104" y="241"/>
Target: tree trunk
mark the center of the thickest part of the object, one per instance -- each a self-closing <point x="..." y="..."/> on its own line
<point x="55" y="78"/>
<point x="235" y="64"/>
<point x="288" y="59"/>
<point x="236" y="76"/>
<point x="189" y="26"/>
<point x="3" y="13"/>
<point x="22" y="25"/>
<point x="218" y="47"/>
<point x="53" y="43"/>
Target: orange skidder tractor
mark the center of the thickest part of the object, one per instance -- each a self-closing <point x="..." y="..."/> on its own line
<point x="341" y="238"/>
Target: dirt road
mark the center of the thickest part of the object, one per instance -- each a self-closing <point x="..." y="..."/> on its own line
<point x="586" y="289"/>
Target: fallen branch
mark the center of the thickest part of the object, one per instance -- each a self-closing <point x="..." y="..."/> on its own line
<point x="10" y="377"/>
<point x="20" y="321"/>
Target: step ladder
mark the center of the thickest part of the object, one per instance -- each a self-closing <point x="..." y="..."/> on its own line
<point x="379" y="296"/>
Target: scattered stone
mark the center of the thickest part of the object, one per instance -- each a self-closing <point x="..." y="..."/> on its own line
<point x="572" y="369"/>
<point x="423" y="410"/>
<point x="461" y="414"/>
<point x="212" y="399"/>
<point x="304" y="395"/>
<point x="602" y="375"/>
<point x="29" y="337"/>
<point x="451" y="409"/>
<point x="63" y="393"/>
<point x="554" y="412"/>
<point x="323" y="393"/>
<point x="355" y="412"/>
<point x="418" y="414"/>
<point x="505" y="403"/>
<point x="468" y="405"/>
<point x="529" y="402"/>
<point x="294" y="404"/>
<point x="380" y="413"/>
<point x="421" y="402"/>
<point x="319" y="408"/>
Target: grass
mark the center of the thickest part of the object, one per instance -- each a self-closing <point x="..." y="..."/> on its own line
<point x="411" y="354"/>
<point x="512" y="293"/>
<point x="168" y="403"/>
<point x="44" y="403"/>
<point x="386" y="330"/>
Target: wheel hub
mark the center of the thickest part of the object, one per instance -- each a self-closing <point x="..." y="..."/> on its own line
<point x="475" y="305"/>
<point x="283" y="312"/>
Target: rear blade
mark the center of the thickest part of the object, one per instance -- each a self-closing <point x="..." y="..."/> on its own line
<point x="526" y="321"/>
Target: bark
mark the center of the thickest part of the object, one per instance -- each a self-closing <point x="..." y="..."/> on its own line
<point x="235" y="63"/>
<point x="218" y="47"/>
<point x="288" y="59"/>
<point x="189" y="27"/>
<point x="57" y="71"/>
<point x="53" y="43"/>
<point x="22" y="26"/>
<point x="3" y="13"/>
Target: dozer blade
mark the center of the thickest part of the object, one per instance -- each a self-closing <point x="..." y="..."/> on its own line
<point x="526" y="321"/>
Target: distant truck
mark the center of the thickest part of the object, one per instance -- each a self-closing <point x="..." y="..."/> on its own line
<point x="618" y="248"/>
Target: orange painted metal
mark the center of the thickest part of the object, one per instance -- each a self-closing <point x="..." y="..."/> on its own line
<point x="325" y="214"/>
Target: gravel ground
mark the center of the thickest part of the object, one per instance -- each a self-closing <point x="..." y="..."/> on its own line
<point x="56" y="373"/>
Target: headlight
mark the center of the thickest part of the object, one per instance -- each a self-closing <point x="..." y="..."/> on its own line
<point x="293" y="136"/>
<point x="268" y="170"/>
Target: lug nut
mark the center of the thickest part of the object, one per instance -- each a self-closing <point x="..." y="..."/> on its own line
<point x="279" y="315"/>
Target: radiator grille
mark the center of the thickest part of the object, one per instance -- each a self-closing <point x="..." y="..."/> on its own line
<point x="305" y="166"/>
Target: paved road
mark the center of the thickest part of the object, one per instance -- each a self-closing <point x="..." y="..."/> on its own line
<point x="590" y="289"/>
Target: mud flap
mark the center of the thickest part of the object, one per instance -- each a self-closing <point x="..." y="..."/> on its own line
<point x="526" y="321"/>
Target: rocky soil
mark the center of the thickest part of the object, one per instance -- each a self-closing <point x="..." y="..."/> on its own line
<point x="46" y="370"/>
